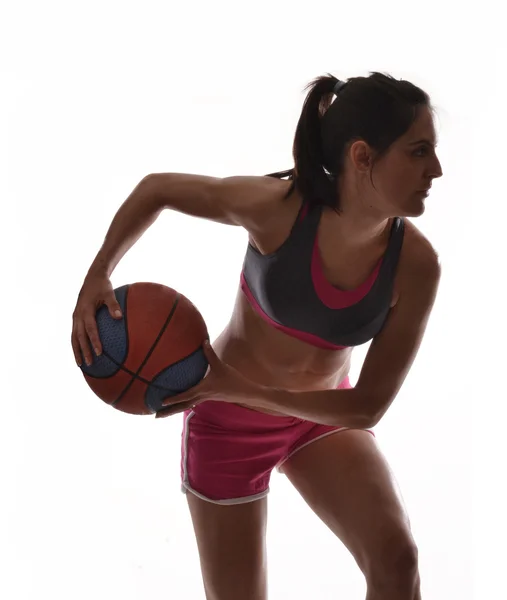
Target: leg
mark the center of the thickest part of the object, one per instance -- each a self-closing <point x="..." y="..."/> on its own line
<point x="226" y="462"/>
<point x="232" y="549"/>
<point x="346" y="480"/>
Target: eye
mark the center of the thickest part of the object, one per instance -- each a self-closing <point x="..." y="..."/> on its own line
<point x="421" y="149"/>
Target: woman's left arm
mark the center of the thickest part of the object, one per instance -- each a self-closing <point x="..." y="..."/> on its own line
<point x="385" y="367"/>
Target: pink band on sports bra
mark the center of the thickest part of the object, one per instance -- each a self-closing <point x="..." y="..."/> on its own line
<point x="301" y="335"/>
<point x="331" y="296"/>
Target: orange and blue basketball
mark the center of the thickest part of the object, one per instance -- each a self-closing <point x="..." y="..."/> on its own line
<point x="153" y="352"/>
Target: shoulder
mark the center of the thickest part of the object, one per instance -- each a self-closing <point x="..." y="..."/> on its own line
<point x="420" y="266"/>
<point x="421" y="253"/>
<point x="267" y="210"/>
<point x="255" y="185"/>
<point x="259" y="202"/>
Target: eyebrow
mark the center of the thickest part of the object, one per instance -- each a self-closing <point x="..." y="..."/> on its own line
<point x="425" y="141"/>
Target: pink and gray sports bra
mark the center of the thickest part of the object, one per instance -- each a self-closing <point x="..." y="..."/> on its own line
<point x="288" y="289"/>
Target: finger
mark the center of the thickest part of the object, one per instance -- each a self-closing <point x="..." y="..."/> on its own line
<point x="184" y="397"/>
<point x="114" y="307"/>
<point x="174" y="410"/>
<point x="75" y="345"/>
<point x="93" y="333"/>
<point x="83" y="343"/>
<point x="210" y="354"/>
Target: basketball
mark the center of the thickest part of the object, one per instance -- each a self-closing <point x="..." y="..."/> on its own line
<point x="154" y="351"/>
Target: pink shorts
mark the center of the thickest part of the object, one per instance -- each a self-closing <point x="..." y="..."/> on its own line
<point x="228" y="451"/>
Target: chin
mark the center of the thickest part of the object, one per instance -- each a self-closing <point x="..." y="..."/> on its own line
<point x="415" y="209"/>
<point x="419" y="212"/>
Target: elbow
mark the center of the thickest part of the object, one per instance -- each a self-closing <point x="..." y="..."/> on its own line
<point x="375" y="416"/>
<point x="148" y="179"/>
<point x="364" y="421"/>
<point x="374" y="410"/>
<point x="154" y="187"/>
<point x="372" y="421"/>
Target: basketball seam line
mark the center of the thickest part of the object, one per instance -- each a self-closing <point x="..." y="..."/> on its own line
<point x="150" y="351"/>
<point x="139" y="377"/>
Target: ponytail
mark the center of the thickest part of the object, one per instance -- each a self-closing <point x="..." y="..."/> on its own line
<point x="377" y="109"/>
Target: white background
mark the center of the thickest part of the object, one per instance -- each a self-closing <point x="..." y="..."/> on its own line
<point x="97" y="95"/>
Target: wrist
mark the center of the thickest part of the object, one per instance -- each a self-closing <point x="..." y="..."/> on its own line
<point x="271" y="398"/>
<point x="100" y="268"/>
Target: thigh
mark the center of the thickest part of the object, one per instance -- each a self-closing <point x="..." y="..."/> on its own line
<point x="231" y="541"/>
<point x="348" y="483"/>
<point x="228" y="452"/>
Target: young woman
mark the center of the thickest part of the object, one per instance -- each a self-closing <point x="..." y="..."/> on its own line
<point x="331" y="263"/>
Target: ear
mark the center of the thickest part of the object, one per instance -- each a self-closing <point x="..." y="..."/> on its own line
<point x="361" y="156"/>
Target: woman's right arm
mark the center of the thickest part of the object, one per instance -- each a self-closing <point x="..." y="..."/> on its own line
<point x="240" y="201"/>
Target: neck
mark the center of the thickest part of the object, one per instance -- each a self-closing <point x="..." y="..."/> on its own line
<point x="360" y="224"/>
<point x="357" y="230"/>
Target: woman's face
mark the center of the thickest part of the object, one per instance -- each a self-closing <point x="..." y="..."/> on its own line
<point x="403" y="176"/>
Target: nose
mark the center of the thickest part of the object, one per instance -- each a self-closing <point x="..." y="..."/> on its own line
<point x="435" y="171"/>
<point x="438" y="172"/>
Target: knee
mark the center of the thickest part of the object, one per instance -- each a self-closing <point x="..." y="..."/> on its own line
<point x="406" y="559"/>
<point x="396" y="563"/>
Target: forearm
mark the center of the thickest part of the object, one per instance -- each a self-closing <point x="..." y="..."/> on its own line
<point x="327" y="407"/>
<point x="140" y="210"/>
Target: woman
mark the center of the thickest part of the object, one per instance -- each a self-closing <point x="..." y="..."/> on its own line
<point x="331" y="263"/>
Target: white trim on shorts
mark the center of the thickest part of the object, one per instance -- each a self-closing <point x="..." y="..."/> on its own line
<point x="185" y="486"/>
<point x="279" y="465"/>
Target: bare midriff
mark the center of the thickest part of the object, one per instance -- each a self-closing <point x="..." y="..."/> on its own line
<point x="275" y="359"/>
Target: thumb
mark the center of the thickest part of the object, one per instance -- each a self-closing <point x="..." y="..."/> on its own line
<point x="114" y="308"/>
<point x="210" y="354"/>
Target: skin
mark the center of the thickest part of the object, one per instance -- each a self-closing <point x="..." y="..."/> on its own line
<point x="350" y="245"/>
<point x="343" y="477"/>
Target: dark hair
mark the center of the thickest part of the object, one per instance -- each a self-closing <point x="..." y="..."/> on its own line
<point x="377" y="109"/>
